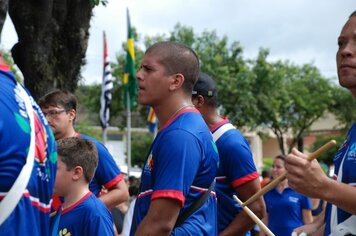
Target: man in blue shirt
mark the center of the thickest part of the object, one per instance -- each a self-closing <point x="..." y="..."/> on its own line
<point x="182" y="162"/>
<point x="309" y="179"/>
<point x="237" y="174"/>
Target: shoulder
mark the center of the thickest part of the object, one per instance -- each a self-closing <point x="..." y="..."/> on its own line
<point x="99" y="145"/>
<point x="95" y="206"/>
<point x="84" y="136"/>
<point x="233" y="140"/>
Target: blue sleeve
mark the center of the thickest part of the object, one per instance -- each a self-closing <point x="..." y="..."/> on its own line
<point x="236" y="158"/>
<point x="306" y="202"/>
<point x="107" y="172"/>
<point x="102" y="225"/>
<point x="176" y="162"/>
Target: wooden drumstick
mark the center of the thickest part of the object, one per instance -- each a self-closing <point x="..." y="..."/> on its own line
<point x="276" y="181"/>
<point x="254" y="217"/>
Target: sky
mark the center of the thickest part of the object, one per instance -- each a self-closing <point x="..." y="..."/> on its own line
<point x="301" y="31"/>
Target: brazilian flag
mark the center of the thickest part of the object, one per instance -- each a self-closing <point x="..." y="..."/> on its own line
<point x="129" y="80"/>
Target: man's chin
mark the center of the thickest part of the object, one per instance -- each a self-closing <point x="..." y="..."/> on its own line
<point x="143" y="102"/>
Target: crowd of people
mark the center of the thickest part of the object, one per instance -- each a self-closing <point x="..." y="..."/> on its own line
<point x="55" y="181"/>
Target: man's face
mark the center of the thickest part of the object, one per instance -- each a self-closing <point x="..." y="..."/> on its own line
<point x="59" y="119"/>
<point x="346" y="56"/>
<point x="153" y="82"/>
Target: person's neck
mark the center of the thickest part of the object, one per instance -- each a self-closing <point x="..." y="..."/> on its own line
<point x="70" y="133"/>
<point x="167" y="112"/>
<point x="212" y="117"/>
<point x="74" y="196"/>
<point x="353" y="92"/>
<point x="282" y="185"/>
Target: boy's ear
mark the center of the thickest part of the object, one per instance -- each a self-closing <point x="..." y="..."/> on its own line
<point x="77" y="172"/>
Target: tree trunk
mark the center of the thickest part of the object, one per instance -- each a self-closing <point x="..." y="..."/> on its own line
<point x="3" y="10"/>
<point x="53" y="38"/>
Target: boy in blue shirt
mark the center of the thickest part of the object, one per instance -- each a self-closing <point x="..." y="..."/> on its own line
<point x="81" y="212"/>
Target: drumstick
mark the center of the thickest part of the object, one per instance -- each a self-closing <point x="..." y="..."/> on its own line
<point x="254" y="218"/>
<point x="276" y="181"/>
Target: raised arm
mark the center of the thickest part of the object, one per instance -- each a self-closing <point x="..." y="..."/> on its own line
<point x="309" y="179"/>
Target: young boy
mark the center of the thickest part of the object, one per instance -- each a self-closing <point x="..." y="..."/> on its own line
<point x="81" y="212"/>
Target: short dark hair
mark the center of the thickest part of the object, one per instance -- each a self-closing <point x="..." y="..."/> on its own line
<point x="352" y="14"/>
<point x="281" y="157"/>
<point x="177" y="58"/>
<point x="78" y="152"/>
<point x="206" y="87"/>
<point x="59" y="98"/>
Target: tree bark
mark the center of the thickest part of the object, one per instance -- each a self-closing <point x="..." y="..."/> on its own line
<point x="4" y="4"/>
<point x="52" y="41"/>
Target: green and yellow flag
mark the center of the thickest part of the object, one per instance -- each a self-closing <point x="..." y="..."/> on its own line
<point x="129" y="81"/>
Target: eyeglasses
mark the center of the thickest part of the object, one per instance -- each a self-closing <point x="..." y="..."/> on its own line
<point x="53" y="113"/>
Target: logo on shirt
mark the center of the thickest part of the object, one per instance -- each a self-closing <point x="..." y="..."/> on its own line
<point x="64" y="232"/>
<point x="351" y="155"/>
<point x="342" y="148"/>
<point x="293" y="199"/>
<point x="150" y="161"/>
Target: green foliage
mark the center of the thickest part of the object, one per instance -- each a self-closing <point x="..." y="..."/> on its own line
<point x="10" y="61"/>
<point x="97" y="2"/>
<point x="89" y="103"/>
<point x="327" y="157"/>
<point x="141" y="143"/>
<point x="288" y="98"/>
<point x="343" y="107"/>
<point x="267" y="163"/>
<point x="83" y="127"/>
<point x="89" y="96"/>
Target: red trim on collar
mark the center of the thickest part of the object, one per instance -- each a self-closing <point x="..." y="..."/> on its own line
<point x="4" y="67"/>
<point x="217" y="125"/>
<point x="178" y="114"/>
<point x="76" y="204"/>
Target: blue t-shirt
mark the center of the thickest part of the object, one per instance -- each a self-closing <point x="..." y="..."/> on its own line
<point x="107" y="173"/>
<point x="285" y="210"/>
<point x="181" y="165"/>
<point x="345" y="171"/>
<point x="89" y="216"/>
<point x="31" y="215"/>
<point x="236" y="168"/>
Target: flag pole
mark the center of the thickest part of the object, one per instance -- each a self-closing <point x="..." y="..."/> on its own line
<point x="105" y="48"/>
<point x="155" y="131"/>
<point x="128" y="134"/>
<point x="104" y="136"/>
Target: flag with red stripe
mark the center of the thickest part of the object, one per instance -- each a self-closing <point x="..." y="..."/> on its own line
<point x="106" y="89"/>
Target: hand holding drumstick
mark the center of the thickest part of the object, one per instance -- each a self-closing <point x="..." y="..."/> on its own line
<point x="254" y="218"/>
<point x="276" y="181"/>
<point x="305" y="177"/>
